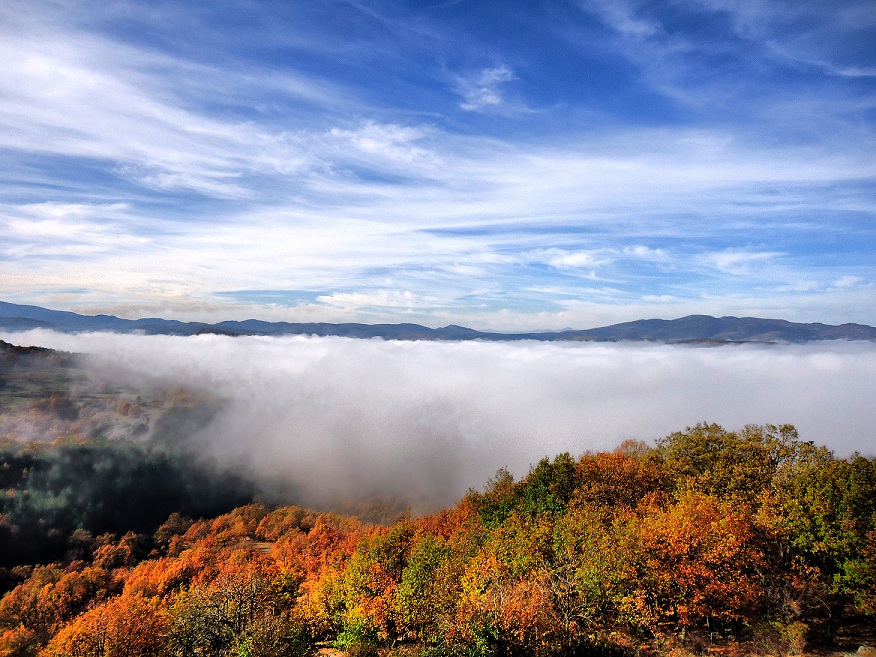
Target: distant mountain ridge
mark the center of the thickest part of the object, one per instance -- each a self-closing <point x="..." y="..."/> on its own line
<point x="691" y="329"/>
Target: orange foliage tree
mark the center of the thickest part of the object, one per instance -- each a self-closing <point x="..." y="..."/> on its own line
<point x="701" y="562"/>
<point x="125" y="626"/>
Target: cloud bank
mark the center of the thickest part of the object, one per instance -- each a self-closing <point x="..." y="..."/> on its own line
<point x="339" y="419"/>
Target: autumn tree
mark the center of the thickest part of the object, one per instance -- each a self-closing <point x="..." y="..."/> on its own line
<point x="125" y="626"/>
<point x="701" y="563"/>
<point x="728" y="464"/>
<point x="237" y="614"/>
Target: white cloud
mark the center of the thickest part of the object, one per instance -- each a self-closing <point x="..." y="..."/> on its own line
<point x="390" y="141"/>
<point x="568" y="259"/>
<point x="848" y="281"/>
<point x="574" y="259"/>
<point x="380" y="299"/>
<point x="801" y="286"/>
<point x="588" y="293"/>
<point x="646" y="253"/>
<point x="857" y="71"/>
<point x="739" y="262"/>
<point x="426" y="420"/>
<point x="660" y="298"/>
<point x="102" y="100"/>
<point x="482" y="90"/>
<point x="621" y="16"/>
<point x="52" y="230"/>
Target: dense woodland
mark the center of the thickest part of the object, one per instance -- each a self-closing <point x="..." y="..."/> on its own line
<point x="754" y="538"/>
<point x="103" y="487"/>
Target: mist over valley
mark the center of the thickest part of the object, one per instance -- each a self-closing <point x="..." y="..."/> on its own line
<point x="323" y="421"/>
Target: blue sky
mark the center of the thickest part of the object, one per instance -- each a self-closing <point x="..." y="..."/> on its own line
<point x="514" y="165"/>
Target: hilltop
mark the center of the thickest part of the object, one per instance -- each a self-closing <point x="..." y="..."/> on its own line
<point x="691" y="329"/>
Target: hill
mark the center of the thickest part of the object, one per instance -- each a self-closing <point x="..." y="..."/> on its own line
<point x="694" y="328"/>
<point x="751" y="542"/>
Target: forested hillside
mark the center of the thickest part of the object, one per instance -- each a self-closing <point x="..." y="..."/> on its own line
<point x="753" y="538"/>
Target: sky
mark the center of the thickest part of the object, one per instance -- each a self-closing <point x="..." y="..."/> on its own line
<point x="344" y="419"/>
<point x="518" y="165"/>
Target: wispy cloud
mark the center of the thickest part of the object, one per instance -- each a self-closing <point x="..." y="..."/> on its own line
<point x="646" y="253"/>
<point x="621" y="16"/>
<point x="393" y="145"/>
<point x="380" y="299"/>
<point x="55" y="103"/>
<point x="740" y="262"/>
<point x="848" y="281"/>
<point x="482" y="91"/>
<point x="48" y="230"/>
<point x="683" y="159"/>
<point x="571" y="260"/>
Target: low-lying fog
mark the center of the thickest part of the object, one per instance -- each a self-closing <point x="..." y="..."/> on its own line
<point x="352" y="418"/>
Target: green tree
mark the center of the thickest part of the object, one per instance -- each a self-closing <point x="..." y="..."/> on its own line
<point x="237" y="615"/>
<point x="728" y="464"/>
<point x="426" y="593"/>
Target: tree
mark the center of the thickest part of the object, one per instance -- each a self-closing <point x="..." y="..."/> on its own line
<point x="728" y="464"/>
<point x="370" y="583"/>
<point x="701" y="562"/>
<point x="596" y="552"/>
<point x="125" y="626"/>
<point x="427" y="590"/>
<point x="240" y="615"/>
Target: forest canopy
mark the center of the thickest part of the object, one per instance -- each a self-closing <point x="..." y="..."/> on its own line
<point x="752" y="536"/>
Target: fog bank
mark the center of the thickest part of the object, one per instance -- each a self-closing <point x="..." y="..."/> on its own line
<point x="345" y="418"/>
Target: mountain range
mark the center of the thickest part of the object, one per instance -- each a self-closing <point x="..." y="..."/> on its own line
<point x="693" y="329"/>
